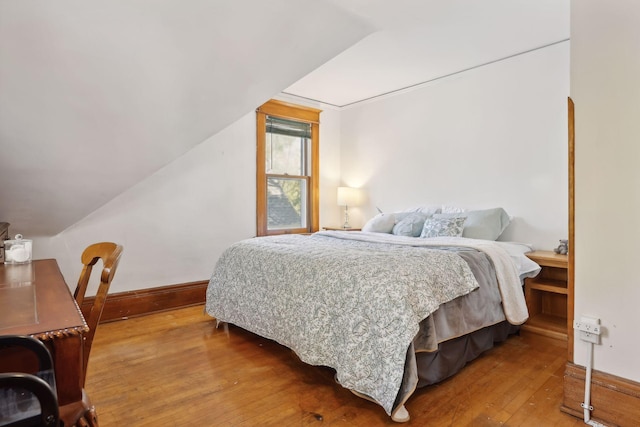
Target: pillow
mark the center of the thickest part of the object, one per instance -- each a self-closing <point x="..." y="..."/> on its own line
<point x="426" y="209"/>
<point x="439" y="227"/>
<point x="381" y="223"/>
<point x="451" y="209"/>
<point x="409" y="225"/>
<point x="517" y="251"/>
<point x="487" y="224"/>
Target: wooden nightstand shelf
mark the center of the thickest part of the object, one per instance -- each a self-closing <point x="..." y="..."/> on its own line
<point x="341" y="229"/>
<point x="546" y="295"/>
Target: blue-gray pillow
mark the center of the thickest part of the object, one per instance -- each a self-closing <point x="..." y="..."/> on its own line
<point x="410" y="224"/>
<point x="487" y="224"/>
<point x="443" y="227"/>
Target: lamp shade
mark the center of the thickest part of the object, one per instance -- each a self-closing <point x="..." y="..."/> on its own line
<point x="348" y="196"/>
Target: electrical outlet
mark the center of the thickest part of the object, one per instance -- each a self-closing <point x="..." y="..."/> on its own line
<point x="589" y="337"/>
<point x="589" y="328"/>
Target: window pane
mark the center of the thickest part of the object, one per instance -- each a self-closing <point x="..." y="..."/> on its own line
<point x="286" y="146"/>
<point x="286" y="203"/>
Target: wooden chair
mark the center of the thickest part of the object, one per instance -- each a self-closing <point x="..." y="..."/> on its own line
<point x="27" y="398"/>
<point x="83" y="413"/>
<point x="109" y="253"/>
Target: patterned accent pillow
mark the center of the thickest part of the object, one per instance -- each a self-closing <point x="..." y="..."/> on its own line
<point x="439" y="227"/>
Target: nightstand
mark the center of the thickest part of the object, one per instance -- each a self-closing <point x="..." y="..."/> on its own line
<point x="4" y="235"/>
<point x="546" y="295"/>
<point x="341" y="229"/>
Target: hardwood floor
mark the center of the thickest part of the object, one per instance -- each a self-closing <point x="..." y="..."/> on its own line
<point x="177" y="369"/>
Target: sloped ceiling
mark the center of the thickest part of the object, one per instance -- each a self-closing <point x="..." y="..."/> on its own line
<point x="95" y="96"/>
<point x="421" y="41"/>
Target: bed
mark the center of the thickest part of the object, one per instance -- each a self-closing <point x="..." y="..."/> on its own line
<point x="389" y="313"/>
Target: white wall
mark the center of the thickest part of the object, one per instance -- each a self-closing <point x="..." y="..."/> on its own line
<point x="605" y="65"/>
<point x="493" y="136"/>
<point x="175" y="224"/>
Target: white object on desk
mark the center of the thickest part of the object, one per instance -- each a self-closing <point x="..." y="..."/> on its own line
<point x="17" y="251"/>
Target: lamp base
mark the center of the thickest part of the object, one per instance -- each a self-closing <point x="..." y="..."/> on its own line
<point x="346" y="218"/>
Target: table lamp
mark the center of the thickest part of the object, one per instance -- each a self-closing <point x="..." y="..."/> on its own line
<point x="348" y="196"/>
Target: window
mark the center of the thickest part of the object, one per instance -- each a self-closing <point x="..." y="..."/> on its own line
<point x="287" y="168"/>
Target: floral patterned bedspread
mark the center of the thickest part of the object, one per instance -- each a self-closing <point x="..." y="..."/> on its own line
<point x="351" y="305"/>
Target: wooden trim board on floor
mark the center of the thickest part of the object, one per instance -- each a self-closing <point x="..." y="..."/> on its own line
<point x="615" y="400"/>
<point x="145" y="301"/>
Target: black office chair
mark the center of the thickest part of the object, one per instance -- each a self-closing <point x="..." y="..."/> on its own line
<point x="28" y="399"/>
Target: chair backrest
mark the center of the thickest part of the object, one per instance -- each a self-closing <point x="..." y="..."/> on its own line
<point x="109" y="253"/>
<point x="37" y="407"/>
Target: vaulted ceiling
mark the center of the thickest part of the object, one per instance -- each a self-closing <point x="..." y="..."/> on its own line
<point x="96" y="96"/>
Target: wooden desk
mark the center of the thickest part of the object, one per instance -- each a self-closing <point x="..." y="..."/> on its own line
<point x="35" y="301"/>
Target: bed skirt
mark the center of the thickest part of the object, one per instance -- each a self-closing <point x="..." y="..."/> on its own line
<point x="452" y="355"/>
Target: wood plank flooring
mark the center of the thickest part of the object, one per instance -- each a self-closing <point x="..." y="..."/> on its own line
<point x="176" y="369"/>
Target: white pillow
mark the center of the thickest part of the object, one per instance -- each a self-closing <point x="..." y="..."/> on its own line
<point x="381" y="223"/>
<point x="425" y="209"/>
<point x="446" y="209"/>
<point x="517" y="251"/>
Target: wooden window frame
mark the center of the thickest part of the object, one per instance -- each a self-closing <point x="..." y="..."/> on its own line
<point x="298" y="113"/>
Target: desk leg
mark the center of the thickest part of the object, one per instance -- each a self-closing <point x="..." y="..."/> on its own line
<point x="76" y="408"/>
<point x="67" y="360"/>
<point x="79" y="414"/>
